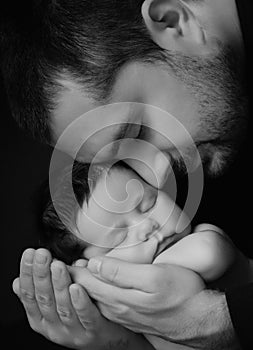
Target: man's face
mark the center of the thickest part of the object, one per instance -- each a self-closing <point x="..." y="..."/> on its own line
<point x="203" y="91"/>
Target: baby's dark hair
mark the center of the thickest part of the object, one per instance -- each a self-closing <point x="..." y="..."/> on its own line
<point x="59" y="207"/>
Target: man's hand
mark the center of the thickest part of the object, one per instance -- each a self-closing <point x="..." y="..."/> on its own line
<point x="63" y="312"/>
<point x="162" y="300"/>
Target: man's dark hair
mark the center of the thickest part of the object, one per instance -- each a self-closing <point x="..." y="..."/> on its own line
<point x="86" y="40"/>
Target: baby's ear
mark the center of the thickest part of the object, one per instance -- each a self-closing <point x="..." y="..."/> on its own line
<point x="80" y="263"/>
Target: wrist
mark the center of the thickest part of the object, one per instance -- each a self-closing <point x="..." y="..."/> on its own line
<point x="124" y="339"/>
<point x="208" y="324"/>
<point x="134" y="341"/>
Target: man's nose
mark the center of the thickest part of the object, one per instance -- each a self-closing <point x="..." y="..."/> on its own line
<point x="143" y="229"/>
<point x="147" y="160"/>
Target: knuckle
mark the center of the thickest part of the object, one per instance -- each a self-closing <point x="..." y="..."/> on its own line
<point x="40" y="273"/>
<point x="26" y="295"/>
<point x="122" y="310"/>
<point x="86" y="321"/>
<point x="44" y="301"/>
<point x="26" y="271"/>
<point x="89" y="322"/>
<point x="64" y="313"/>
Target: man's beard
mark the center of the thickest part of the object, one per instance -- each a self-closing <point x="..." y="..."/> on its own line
<point x="217" y="86"/>
<point x="214" y="157"/>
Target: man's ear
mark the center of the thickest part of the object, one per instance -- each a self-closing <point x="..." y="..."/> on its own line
<point x="173" y="26"/>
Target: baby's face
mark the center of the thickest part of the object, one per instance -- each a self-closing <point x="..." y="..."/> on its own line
<point x="126" y="218"/>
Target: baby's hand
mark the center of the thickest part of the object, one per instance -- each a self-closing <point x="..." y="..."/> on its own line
<point x="207" y="251"/>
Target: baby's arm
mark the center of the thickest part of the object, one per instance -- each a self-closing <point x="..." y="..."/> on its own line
<point x="207" y="251"/>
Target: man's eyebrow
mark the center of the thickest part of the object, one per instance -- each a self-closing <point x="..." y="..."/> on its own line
<point x="119" y="135"/>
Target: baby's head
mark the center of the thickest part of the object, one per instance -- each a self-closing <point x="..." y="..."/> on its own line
<point x="113" y="213"/>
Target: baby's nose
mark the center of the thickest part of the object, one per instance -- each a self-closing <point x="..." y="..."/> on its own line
<point x="143" y="230"/>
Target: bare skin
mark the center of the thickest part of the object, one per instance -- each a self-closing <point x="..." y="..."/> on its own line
<point x="62" y="311"/>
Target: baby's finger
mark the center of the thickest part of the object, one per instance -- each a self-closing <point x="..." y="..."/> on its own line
<point x="16" y="286"/>
<point x="80" y="263"/>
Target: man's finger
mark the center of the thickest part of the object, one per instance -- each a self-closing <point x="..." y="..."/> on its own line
<point x="26" y="286"/>
<point x="61" y="282"/>
<point x="86" y="311"/>
<point x="124" y="274"/>
<point x="97" y="288"/>
<point x="112" y="300"/>
<point x="43" y="285"/>
<point x="16" y="286"/>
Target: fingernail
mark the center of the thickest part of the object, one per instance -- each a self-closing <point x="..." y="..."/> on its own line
<point x="29" y="255"/>
<point x="40" y="258"/>
<point x="94" y="265"/>
<point x="80" y="263"/>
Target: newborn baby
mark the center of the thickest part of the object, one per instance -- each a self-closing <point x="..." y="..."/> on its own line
<point x="111" y="211"/>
